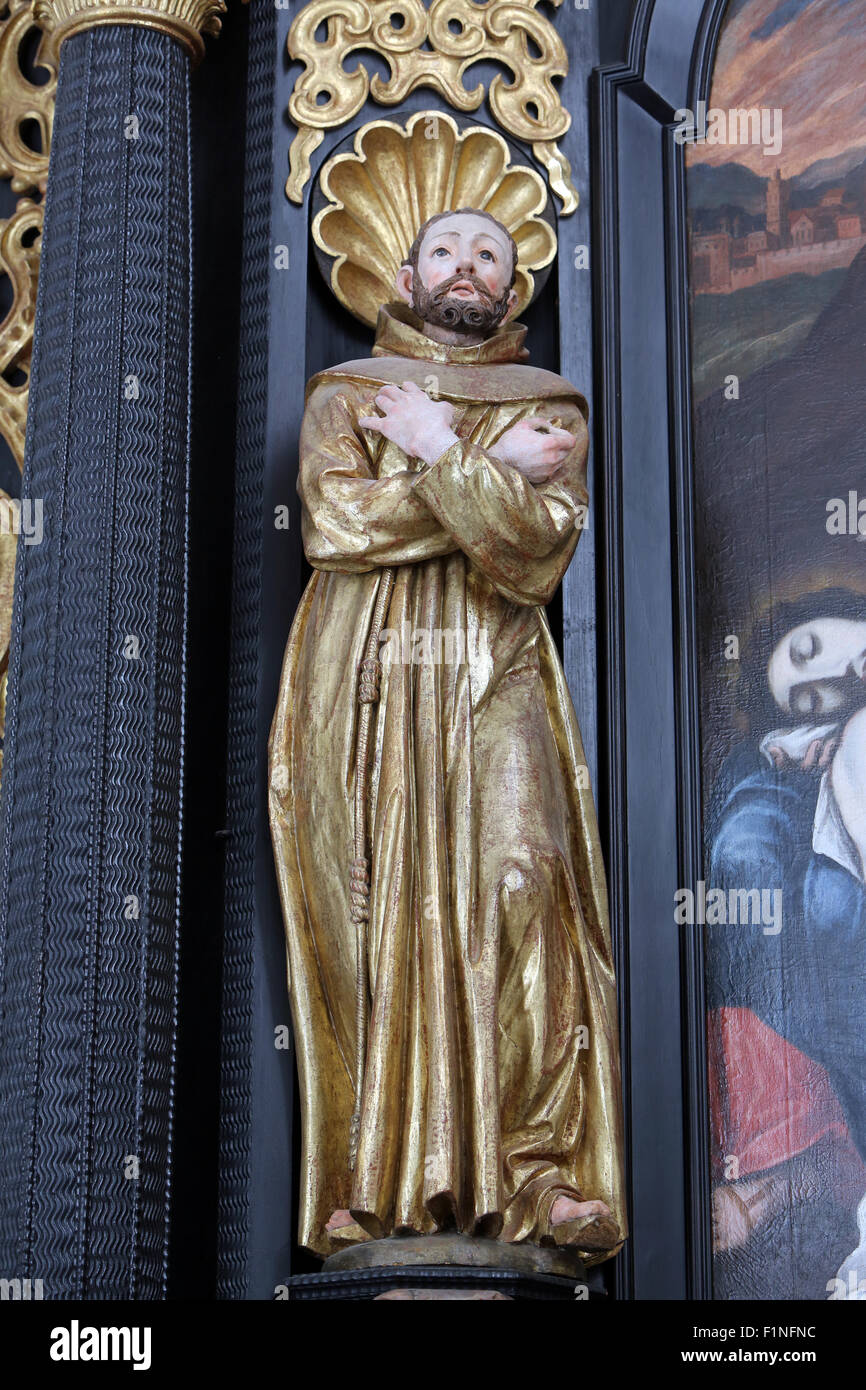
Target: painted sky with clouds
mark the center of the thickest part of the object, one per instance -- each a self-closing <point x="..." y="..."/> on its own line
<point x="807" y="57"/>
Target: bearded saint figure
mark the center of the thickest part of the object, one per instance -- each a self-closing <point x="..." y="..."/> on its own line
<point x="436" y="843"/>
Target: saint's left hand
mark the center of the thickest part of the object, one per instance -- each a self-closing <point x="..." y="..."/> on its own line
<point x="536" y="447"/>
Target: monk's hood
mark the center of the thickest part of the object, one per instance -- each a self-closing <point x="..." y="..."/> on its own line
<point x="490" y="372"/>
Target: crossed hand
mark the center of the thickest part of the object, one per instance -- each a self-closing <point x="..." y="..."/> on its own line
<point x="535" y="447"/>
<point x="417" y="425"/>
<point x="422" y="429"/>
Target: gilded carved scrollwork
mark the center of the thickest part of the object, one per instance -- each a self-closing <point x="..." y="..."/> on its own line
<point x="430" y="47"/>
<point x="26" y="108"/>
<point x="22" y="101"/>
<point x="19" y="260"/>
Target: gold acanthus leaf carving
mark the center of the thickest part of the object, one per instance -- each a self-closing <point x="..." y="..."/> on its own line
<point x="430" y="47"/>
<point x="23" y="101"/>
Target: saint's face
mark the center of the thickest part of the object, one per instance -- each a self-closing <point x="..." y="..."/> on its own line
<point x="466" y="245"/>
<point x="818" y="670"/>
<point x="462" y="281"/>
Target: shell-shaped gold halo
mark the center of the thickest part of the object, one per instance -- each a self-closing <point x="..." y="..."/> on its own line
<point x="379" y="194"/>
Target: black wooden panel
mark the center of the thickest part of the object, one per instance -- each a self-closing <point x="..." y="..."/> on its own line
<point x="651" y="762"/>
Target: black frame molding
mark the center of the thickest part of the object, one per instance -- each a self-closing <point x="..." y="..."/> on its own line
<point x="651" y="757"/>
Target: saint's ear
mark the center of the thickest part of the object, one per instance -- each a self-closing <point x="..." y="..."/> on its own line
<point x="512" y="304"/>
<point x="403" y="283"/>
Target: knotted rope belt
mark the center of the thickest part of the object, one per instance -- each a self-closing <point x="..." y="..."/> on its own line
<point x="369" y="682"/>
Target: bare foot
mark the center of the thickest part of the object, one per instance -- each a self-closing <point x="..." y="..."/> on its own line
<point x="339" y="1218"/>
<point x="567" y="1209"/>
<point x="586" y="1225"/>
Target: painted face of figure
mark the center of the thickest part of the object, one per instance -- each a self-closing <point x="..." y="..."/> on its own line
<point x="818" y="669"/>
<point x="463" y="277"/>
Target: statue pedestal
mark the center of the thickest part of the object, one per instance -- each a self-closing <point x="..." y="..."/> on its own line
<point x="450" y="1266"/>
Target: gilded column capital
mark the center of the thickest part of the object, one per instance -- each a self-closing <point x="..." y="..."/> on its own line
<point x="186" y="20"/>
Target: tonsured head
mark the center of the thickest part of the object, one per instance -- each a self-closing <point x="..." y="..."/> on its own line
<point x="460" y="272"/>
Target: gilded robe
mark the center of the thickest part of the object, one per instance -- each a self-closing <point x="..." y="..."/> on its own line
<point x="492" y="1074"/>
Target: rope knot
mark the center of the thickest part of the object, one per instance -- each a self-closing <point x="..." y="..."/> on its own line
<point x="371" y="676"/>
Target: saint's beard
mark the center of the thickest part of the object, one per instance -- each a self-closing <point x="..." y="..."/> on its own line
<point x="444" y="310"/>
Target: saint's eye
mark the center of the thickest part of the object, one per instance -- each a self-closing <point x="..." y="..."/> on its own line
<point x="489" y="254"/>
<point x="804" y="647"/>
<point x="441" y="251"/>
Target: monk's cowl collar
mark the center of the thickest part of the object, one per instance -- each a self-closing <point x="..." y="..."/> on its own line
<point x="399" y="333"/>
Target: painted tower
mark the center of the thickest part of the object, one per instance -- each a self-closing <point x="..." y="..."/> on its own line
<point x="778" y="194"/>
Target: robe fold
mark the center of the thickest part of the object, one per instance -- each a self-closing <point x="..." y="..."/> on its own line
<point x="492" y="1075"/>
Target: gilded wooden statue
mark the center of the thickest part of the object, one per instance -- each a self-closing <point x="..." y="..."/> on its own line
<point x="435" y="838"/>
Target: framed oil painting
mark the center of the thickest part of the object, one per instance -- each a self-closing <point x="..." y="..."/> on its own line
<point x="777" y="263"/>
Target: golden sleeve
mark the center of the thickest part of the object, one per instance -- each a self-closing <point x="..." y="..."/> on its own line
<point x="353" y="521"/>
<point x="521" y="535"/>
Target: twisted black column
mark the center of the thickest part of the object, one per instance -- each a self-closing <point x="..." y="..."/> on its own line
<point x="92" y="789"/>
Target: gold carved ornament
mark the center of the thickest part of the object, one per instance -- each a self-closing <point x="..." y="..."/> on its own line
<point x="21" y="103"/>
<point x="377" y="195"/>
<point x="185" y="20"/>
<point x="430" y="47"/>
<point x="19" y="261"/>
<point x="24" y="105"/>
